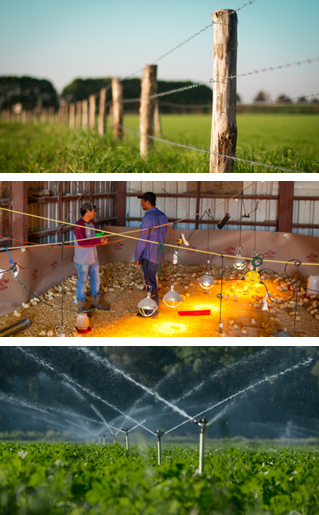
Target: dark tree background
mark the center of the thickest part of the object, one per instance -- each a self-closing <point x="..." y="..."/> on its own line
<point x="28" y="91"/>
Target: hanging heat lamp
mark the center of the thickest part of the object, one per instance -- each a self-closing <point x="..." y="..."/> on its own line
<point x="172" y="298"/>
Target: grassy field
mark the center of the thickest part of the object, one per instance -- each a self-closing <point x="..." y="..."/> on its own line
<point x="68" y="479"/>
<point x="285" y="140"/>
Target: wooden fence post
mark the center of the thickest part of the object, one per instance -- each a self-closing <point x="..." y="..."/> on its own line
<point x="158" y="127"/>
<point x="24" y="117"/>
<point x="36" y="116"/>
<point x="71" y="117"/>
<point x="78" y="115"/>
<point x="117" y="95"/>
<point x="92" y="112"/>
<point x="44" y="115"/>
<point x="224" y="128"/>
<point x="29" y="116"/>
<point x="102" y="112"/>
<point x="66" y="115"/>
<point x="147" y="107"/>
<point x="51" y="115"/>
<point x="84" y="115"/>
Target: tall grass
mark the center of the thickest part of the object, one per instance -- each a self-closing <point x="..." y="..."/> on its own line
<point x="288" y="141"/>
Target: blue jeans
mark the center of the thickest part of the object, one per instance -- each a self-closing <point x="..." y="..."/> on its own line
<point x="150" y="274"/>
<point x="83" y="272"/>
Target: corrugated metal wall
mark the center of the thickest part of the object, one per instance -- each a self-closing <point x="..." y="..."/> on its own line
<point x="306" y="211"/>
<point x="71" y="208"/>
<point x="183" y="207"/>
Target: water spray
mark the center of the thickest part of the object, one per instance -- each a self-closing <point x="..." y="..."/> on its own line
<point x="202" y="424"/>
<point x="159" y="435"/>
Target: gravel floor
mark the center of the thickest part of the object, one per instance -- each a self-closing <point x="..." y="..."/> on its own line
<point x="242" y="314"/>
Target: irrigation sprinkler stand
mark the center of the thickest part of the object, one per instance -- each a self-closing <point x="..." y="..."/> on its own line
<point x="126" y="438"/>
<point x="99" y="439"/>
<point x="103" y="439"/>
<point x="159" y="435"/>
<point x="202" y="424"/>
<point x="114" y="439"/>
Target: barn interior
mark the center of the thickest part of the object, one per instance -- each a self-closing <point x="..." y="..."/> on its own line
<point x="261" y="261"/>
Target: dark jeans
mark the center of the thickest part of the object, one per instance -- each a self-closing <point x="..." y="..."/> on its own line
<point x="150" y="274"/>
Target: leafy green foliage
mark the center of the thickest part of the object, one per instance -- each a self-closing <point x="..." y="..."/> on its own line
<point x="288" y="141"/>
<point x="73" y="479"/>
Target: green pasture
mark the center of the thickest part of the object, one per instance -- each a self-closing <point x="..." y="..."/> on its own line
<point x="68" y="479"/>
<point x="285" y="140"/>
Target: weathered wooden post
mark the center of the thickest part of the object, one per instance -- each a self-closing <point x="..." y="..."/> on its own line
<point x="84" y="115"/>
<point x="51" y="115"/>
<point x="102" y="112"/>
<point x="147" y="107"/>
<point x="29" y="116"/>
<point x="71" y="117"/>
<point x="78" y="115"/>
<point x="66" y="114"/>
<point x="224" y="128"/>
<point x="117" y="95"/>
<point x="158" y="127"/>
<point x="44" y="115"/>
<point x="92" y="112"/>
<point x="36" y="116"/>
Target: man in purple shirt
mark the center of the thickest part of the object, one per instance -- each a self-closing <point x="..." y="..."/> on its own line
<point x="149" y="255"/>
<point x="86" y="258"/>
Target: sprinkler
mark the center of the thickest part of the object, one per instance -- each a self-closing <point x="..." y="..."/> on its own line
<point x="202" y="424"/>
<point x="159" y="435"/>
<point x="103" y="439"/>
<point x="114" y="439"/>
<point x="126" y="438"/>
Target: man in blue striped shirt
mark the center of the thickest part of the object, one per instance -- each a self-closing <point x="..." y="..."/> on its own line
<point x="148" y="253"/>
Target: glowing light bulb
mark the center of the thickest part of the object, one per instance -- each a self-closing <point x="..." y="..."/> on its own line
<point x="172" y="298"/>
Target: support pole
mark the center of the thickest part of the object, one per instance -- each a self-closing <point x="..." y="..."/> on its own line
<point x="224" y="128"/>
<point x="103" y="439"/>
<point x="92" y="112"/>
<point x="24" y="117"/>
<point x="84" y="115"/>
<point x="19" y="202"/>
<point x="285" y="206"/>
<point x="147" y="108"/>
<point x="114" y="439"/>
<point x="117" y="95"/>
<point x="159" y="435"/>
<point x="202" y="424"/>
<point x="102" y="112"/>
<point x="126" y="439"/>
<point x="72" y="116"/>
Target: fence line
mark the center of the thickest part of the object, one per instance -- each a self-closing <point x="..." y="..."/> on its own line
<point x="265" y="165"/>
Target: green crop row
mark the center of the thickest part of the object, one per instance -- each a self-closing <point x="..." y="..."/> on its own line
<point x="60" y="479"/>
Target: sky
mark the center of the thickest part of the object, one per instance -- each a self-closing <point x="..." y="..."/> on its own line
<point x="68" y="39"/>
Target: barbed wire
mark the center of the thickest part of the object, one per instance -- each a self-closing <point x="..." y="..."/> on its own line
<point x="265" y="165"/>
<point x="192" y="86"/>
<point x="203" y="30"/>
<point x="271" y="68"/>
